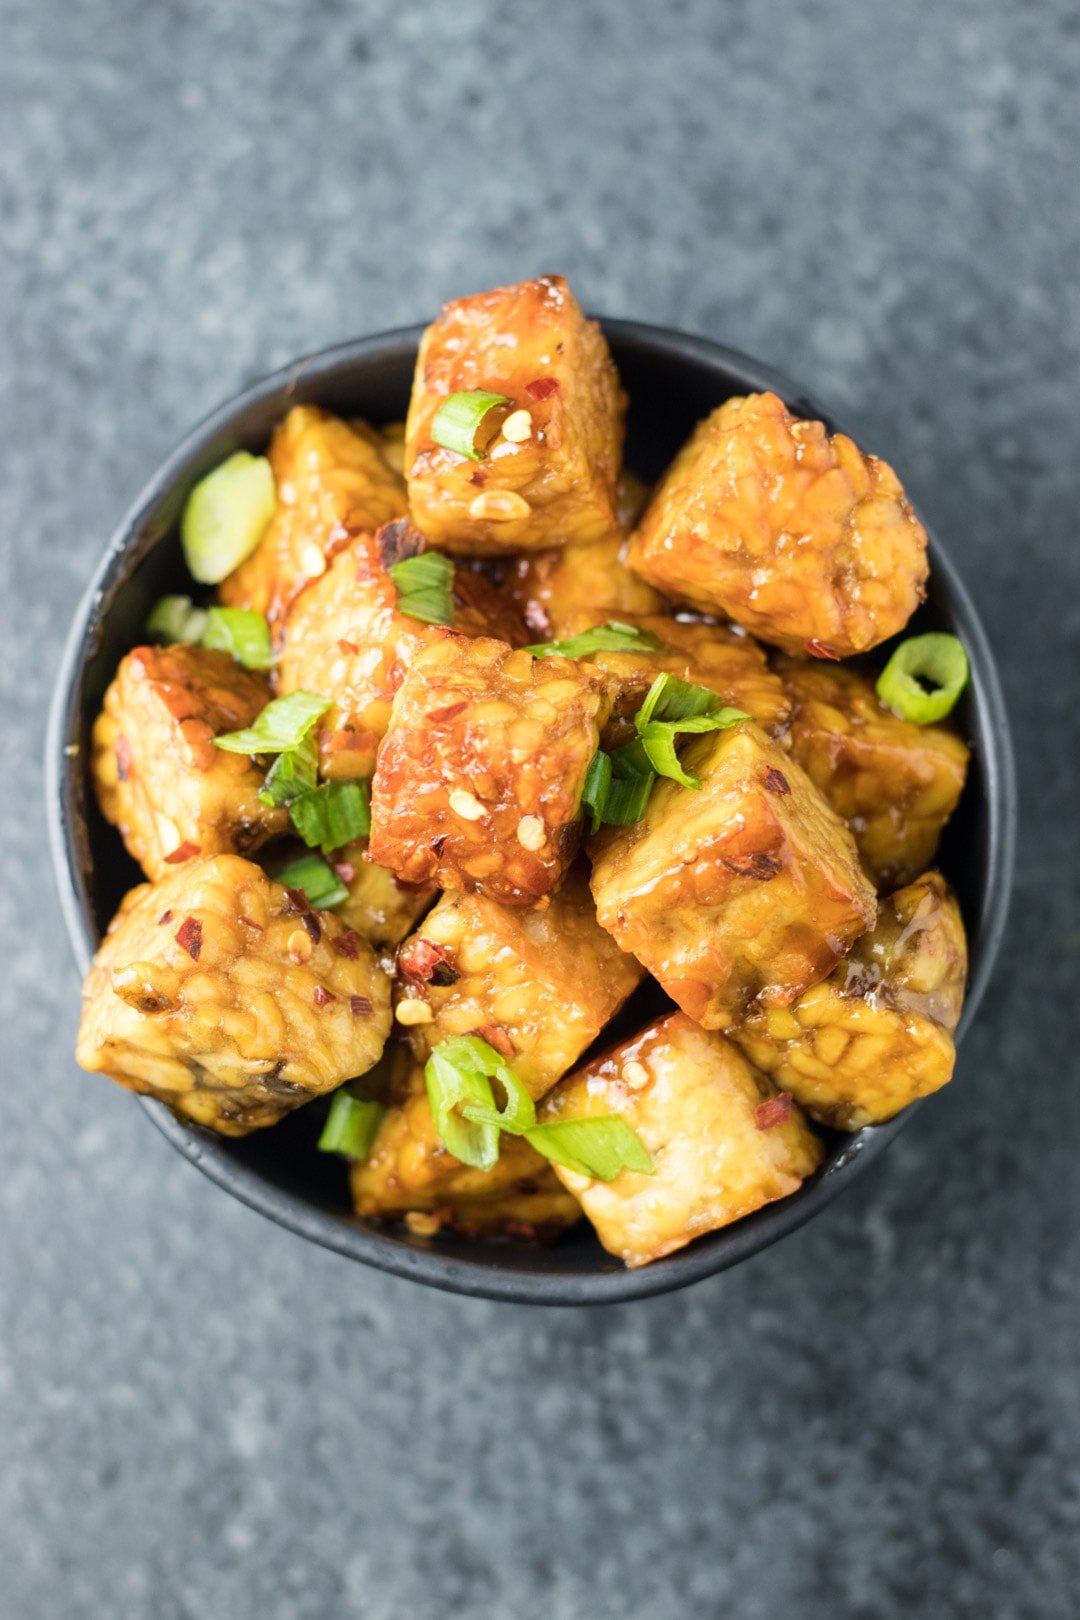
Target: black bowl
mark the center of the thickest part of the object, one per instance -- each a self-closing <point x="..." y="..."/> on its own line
<point x="672" y="381"/>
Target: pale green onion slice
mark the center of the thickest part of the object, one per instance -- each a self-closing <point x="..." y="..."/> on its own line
<point x="293" y="773"/>
<point x="315" y="878"/>
<point x="519" y="1113"/>
<point x="242" y="633"/>
<point x="332" y="815"/>
<point x="283" y="724"/>
<point x="425" y="587"/>
<point x="924" y="677"/>
<point x="597" y="782"/>
<point x="455" y="1079"/>
<point x="176" y="618"/>
<point x="610" y="637"/>
<point x="457" y="420"/>
<point x="226" y="515"/>
<point x="601" y="1146"/>
<point x="351" y="1126"/>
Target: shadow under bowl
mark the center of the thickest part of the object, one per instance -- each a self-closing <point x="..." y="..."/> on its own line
<point x="673" y="380"/>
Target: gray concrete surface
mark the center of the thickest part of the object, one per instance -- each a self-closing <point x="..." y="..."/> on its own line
<point x="202" y="1419"/>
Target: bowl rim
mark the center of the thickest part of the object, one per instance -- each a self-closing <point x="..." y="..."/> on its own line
<point x="486" y="1278"/>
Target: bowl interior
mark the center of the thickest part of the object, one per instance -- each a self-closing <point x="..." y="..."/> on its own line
<point x="672" y="381"/>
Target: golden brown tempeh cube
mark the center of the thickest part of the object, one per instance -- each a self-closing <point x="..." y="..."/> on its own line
<point x="722" y="1142"/>
<point x="380" y="907"/>
<point x="228" y="998"/>
<point x="538" y="985"/>
<point x="479" y="777"/>
<point x="333" y="481"/>
<point x="749" y="887"/>
<point x="895" y="784"/>
<point x="411" y="1174"/>
<point x="877" y="1033"/>
<point x="345" y="637"/>
<point x="788" y="530"/>
<point x="551" y="477"/>
<point x="553" y="588"/>
<point x="718" y="656"/>
<point x="158" y="776"/>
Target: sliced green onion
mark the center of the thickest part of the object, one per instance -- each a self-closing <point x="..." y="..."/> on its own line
<point x="601" y="1146"/>
<point x="333" y="814"/>
<point x="314" y="877"/>
<point x="425" y="587"/>
<point x="457" y="420"/>
<point x="455" y="1077"/>
<point x="924" y="677"/>
<point x="629" y="789"/>
<point x="610" y="637"/>
<point x="351" y="1126"/>
<point x="283" y="724"/>
<point x="673" y="707"/>
<point x="242" y="633"/>
<point x="226" y="515"/>
<point x="176" y="618"/>
<point x="293" y="773"/>
<point x="519" y="1113"/>
<point x="597" y="781"/>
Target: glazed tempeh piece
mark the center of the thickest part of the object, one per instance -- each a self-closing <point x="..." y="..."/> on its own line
<point x="550" y="478"/>
<point x="538" y="985"/>
<point x="228" y="998"/>
<point x="553" y="588"/>
<point x="722" y="1142"/>
<point x="749" y="887"/>
<point x="877" y="1033"/>
<point x="791" y="531"/>
<point x="380" y="907"/>
<point x="158" y="776"/>
<point x="480" y="774"/>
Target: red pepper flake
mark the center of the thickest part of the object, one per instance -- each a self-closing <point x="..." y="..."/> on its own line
<point x="422" y="961"/>
<point x="297" y="901"/>
<point x="542" y="388"/>
<point x="758" y="865"/>
<point x="438" y="844"/>
<point x="776" y="781"/>
<point x="495" y="1036"/>
<point x="123" y="758"/>
<point x="321" y="997"/>
<point x="345" y="870"/>
<point x="249" y="922"/>
<point x="349" y="647"/>
<point x="189" y="937"/>
<point x="476" y="476"/>
<point x="166" y="916"/>
<point x="183" y="852"/>
<point x="448" y="713"/>
<point x="309" y="921"/>
<point x="360" y="1007"/>
<point x="347" y="944"/>
<point x="821" y="649"/>
<point x="776" y="1111"/>
<point x="398" y="540"/>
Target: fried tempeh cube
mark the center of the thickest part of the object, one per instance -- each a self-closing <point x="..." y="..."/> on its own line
<point x="877" y="1033"/>
<point x="538" y="985"/>
<point x="380" y="907"/>
<point x="748" y="887"/>
<point x="333" y="481"/>
<point x="480" y="774"/>
<point x="345" y="637"/>
<point x="158" y="776"/>
<point x="224" y="995"/>
<point x="720" y="657"/>
<point x="550" y="478"/>
<point x="553" y="588"/>
<point x="785" y="528"/>
<point x="894" y="783"/>
<point x="410" y="1172"/>
<point x="722" y="1142"/>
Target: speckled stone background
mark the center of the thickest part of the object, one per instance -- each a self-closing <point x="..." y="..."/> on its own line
<point x="200" y="1417"/>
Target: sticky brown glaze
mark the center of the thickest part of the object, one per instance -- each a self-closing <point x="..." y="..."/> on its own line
<point x="877" y="1033"/>
<point x="749" y="887"/>
<point x="722" y="1142"/>
<point x="553" y="588"/>
<point x="410" y="1175"/>
<point x="538" y="985"/>
<point x="790" y="531"/>
<point x="159" y="778"/>
<point x="895" y="784"/>
<point x="345" y="637"/>
<point x="480" y="774"/>
<point x="333" y="481"/>
<point x="557" y="485"/>
<point x="223" y="995"/>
